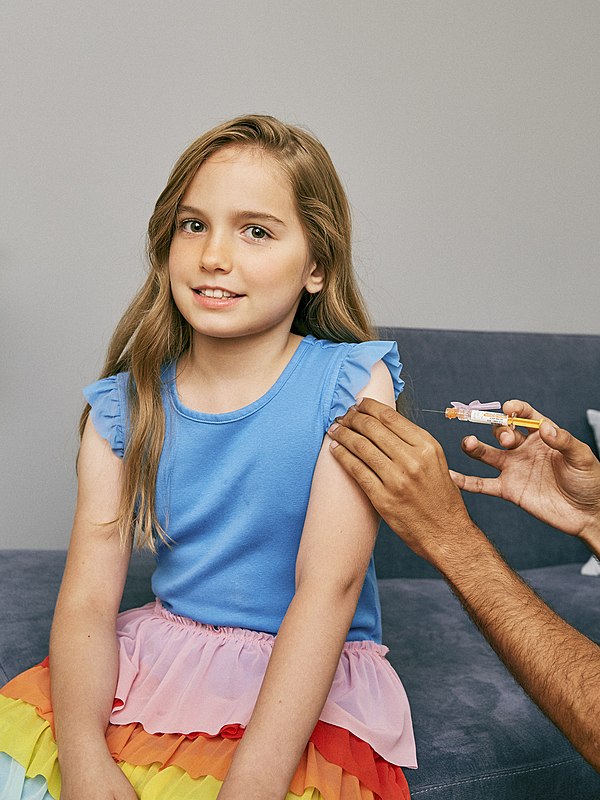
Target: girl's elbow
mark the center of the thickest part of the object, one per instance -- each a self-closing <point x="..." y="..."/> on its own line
<point x="334" y="589"/>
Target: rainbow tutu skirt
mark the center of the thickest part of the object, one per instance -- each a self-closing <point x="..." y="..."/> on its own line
<point x="184" y="696"/>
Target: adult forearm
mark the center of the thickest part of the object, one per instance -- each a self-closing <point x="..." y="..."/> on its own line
<point x="83" y="668"/>
<point x="556" y="665"/>
<point x="295" y="688"/>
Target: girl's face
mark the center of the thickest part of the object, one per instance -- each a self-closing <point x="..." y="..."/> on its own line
<point x="239" y="260"/>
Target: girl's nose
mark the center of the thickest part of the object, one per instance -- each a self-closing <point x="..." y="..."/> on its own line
<point x="216" y="255"/>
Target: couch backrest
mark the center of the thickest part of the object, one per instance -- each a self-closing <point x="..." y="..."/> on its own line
<point x="559" y="374"/>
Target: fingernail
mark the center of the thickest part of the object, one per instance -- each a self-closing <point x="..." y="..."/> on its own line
<point x="333" y="445"/>
<point x="552" y="431"/>
<point x="333" y="427"/>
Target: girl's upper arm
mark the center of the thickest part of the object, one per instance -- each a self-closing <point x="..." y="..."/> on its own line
<point x="341" y="525"/>
<point x="96" y="563"/>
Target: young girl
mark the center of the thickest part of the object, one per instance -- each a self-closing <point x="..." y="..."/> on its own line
<point x="258" y="672"/>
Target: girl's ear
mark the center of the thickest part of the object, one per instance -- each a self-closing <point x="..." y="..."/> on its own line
<point x="315" y="278"/>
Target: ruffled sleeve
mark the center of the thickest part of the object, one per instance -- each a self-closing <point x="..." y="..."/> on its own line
<point x="355" y="373"/>
<point x="107" y="413"/>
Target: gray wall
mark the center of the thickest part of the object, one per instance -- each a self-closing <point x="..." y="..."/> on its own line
<point x="466" y="133"/>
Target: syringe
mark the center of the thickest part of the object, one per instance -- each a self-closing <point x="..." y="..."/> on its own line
<point x="487" y="417"/>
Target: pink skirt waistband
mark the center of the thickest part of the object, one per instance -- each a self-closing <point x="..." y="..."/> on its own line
<point x="181" y="676"/>
<point x="244" y="634"/>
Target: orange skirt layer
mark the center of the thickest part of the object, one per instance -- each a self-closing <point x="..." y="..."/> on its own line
<point x="332" y="757"/>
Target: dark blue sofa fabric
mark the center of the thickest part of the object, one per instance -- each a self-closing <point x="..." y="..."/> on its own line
<point x="478" y="735"/>
<point x="29" y="584"/>
<point x="557" y="373"/>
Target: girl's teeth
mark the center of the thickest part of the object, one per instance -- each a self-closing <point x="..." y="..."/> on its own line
<point x="216" y="293"/>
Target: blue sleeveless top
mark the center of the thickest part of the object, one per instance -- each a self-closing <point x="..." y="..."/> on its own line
<point x="232" y="489"/>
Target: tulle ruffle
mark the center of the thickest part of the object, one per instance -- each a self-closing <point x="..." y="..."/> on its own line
<point x="175" y="766"/>
<point x="169" y="665"/>
<point x="334" y="759"/>
<point x="184" y="696"/>
<point x="150" y="783"/>
<point x="15" y="785"/>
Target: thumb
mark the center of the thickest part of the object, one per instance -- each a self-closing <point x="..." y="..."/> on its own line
<point x="574" y="452"/>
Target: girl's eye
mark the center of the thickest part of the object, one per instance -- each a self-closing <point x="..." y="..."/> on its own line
<point x="257" y="233"/>
<point x="192" y="226"/>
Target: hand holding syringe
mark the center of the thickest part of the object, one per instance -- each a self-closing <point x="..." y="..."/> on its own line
<point x="482" y="413"/>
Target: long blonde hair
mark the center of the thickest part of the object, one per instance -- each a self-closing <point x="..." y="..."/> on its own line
<point x="152" y="332"/>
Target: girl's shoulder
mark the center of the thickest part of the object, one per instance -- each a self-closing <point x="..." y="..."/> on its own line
<point x="351" y="366"/>
<point x="108" y="400"/>
<point x="366" y="353"/>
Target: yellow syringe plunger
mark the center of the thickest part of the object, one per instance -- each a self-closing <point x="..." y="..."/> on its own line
<point x="491" y="418"/>
<point x="525" y="423"/>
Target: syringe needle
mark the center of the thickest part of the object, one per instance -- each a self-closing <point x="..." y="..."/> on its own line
<point x="433" y="411"/>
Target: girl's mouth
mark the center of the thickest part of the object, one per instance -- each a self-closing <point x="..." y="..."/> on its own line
<point x="215" y="293"/>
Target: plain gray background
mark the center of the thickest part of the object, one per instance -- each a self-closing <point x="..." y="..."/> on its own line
<point x="466" y="133"/>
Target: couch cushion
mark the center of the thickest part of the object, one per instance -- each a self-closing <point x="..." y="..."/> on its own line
<point x="29" y="584"/>
<point x="478" y="734"/>
<point x="593" y="417"/>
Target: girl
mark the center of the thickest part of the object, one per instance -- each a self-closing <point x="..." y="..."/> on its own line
<point x="258" y="672"/>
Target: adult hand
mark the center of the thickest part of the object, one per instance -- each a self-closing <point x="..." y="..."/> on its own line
<point x="549" y="473"/>
<point x="403" y="471"/>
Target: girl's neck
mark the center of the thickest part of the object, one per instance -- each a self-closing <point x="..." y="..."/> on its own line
<point x="220" y="375"/>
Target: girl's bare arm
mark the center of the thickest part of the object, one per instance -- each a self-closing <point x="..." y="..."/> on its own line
<point x="83" y="649"/>
<point x="337" y="541"/>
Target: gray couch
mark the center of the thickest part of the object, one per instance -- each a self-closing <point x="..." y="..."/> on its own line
<point x="478" y="735"/>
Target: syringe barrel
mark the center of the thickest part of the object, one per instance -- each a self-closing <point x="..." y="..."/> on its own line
<point x="482" y="417"/>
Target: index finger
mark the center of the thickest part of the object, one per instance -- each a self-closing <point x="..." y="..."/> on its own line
<point x="367" y="437"/>
<point x="402" y="427"/>
<point x="520" y="408"/>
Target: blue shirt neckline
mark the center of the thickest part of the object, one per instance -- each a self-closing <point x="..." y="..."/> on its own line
<point x="245" y="411"/>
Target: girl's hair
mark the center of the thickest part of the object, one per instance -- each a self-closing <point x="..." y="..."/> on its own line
<point x="153" y="333"/>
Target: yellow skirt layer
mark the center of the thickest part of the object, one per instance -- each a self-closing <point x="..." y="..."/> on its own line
<point x="339" y="766"/>
<point x="27" y="738"/>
